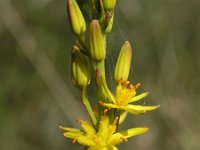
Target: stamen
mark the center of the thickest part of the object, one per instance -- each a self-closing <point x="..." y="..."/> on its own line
<point x="95" y="108"/>
<point x="115" y="122"/>
<point x="105" y="111"/>
<point x="137" y="85"/>
<point x="124" y="139"/>
<point x="131" y="87"/>
<point x="97" y="140"/>
<point x="74" y="140"/>
<point x="120" y="81"/>
<point x="125" y="83"/>
<point x="80" y="120"/>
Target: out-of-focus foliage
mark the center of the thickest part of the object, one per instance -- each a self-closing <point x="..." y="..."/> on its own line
<point x="166" y="51"/>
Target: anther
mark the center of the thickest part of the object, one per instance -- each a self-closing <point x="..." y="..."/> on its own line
<point x="75" y="140"/>
<point x="131" y="87"/>
<point x="137" y="85"/>
<point x="126" y="83"/>
<point x="124" y="139"/>
<point x="105" y="111"/>
<point x="80" y="120"/>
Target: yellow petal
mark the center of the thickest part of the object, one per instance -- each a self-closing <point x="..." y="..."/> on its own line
<point x="103" y="127"/>
<point x="138" y="109"/>
<point x="133" y="132"/>
<point x="73" y="135"/>
<point x="116" y="138"/>
<point x="88" y="128"/>
<point x="87" y="141"/>
<point x="114" y="148"/>
<point x="122" y="117"/>
<point x="133" y="109"/>
<point x="69" y="129"/>
<point x="139" y="97"/>
<point x="109" y="105"/>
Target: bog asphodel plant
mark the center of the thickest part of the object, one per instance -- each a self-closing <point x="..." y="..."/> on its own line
<point x="101" y="133"/>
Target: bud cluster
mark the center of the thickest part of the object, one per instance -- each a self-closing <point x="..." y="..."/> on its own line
<point x="100" y="25"/>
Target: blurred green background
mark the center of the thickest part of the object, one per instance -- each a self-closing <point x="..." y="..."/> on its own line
<point x="36" y="93"/>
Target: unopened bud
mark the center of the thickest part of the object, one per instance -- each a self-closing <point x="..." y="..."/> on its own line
<point x="109" y="4"/>
<point x="80" y="69"/>
<point x="109" y="21"/>
<point x="97" y="46"/>
<point x="76" y="18"/>
<point x="123" y="63"/>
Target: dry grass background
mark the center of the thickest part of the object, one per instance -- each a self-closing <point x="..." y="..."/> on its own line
<point x="36" y="93"/>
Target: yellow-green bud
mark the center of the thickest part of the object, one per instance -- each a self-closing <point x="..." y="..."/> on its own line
<point x="80" y="69"/>
<point x="97" y="45"/>
<point x="109" y="4"/>
<point x="76" y="18"/>
<point x="123" y="63"/>
<point x="109" y="22"/>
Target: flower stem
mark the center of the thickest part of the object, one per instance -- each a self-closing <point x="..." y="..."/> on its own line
<point x="88" y="107"/>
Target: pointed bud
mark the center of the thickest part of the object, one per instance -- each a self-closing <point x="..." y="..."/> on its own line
<point x="109" y="22"/>
<point x="97" y="46"/>
<point x="123" y="63"/>
<point x="92" y="4"/>
<point x="76" y="18"/>
<point x="80" y="69"/>
<point x="109" y="4"/>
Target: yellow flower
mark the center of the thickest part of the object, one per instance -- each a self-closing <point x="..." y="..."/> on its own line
<point x="105" y="139"/>
<point x="126" y="94"/>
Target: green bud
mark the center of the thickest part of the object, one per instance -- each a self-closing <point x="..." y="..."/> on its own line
<point x="97" y="46"/>
<point x="76" y="18"/>
<point x="92" y="4"/>
<point x="80" y="69"/>
<point x="109" y="4"/>
<point x="109" y="22"/>
<point x="123" y="63"/>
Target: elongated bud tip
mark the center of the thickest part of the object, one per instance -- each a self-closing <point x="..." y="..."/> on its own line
<point x="109" y="4"/>
<point x="80" y="69"/>
<point x="123" y="64"/>
<point x="97" y="46"/>
<point x="109" y="21"/>
<point x="76" y="18"/>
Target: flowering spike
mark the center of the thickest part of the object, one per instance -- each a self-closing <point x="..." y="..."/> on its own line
<point x="80" y="69"/>
<point x="76" y="18"/>
<point x="123" y="63"/>
<point x="97" y="45"/>
<point x="101" y="133"/>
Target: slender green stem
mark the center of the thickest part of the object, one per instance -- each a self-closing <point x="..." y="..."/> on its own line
<point x="88" y="107"/>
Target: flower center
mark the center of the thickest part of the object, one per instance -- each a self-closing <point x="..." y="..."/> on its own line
<point x="124" y="93"/>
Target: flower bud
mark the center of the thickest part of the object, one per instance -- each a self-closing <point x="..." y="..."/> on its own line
<point x="123" y="63"/>
<point x="109" y="4"/>
<point x="109" y="22"/>
<point x="97" y="46"/>
<point x="80" y="69"/>
<point x="76" y="18"/>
